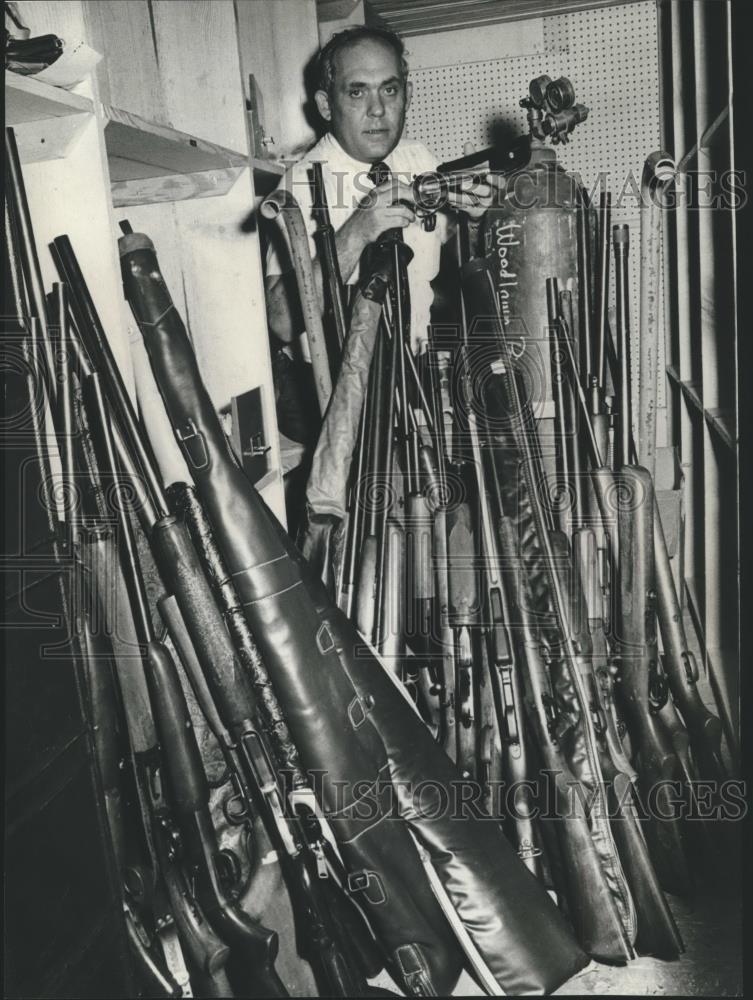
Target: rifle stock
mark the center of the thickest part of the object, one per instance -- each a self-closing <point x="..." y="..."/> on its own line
<point x="641" y="685"/>
<point x="590" y="904"/>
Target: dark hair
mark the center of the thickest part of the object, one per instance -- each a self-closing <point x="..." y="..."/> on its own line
<point x="325" y="63"/>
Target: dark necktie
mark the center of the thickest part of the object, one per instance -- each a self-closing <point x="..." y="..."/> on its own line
<point x="379" y="174"/>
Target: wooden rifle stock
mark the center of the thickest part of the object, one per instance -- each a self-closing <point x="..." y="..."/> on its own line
<point x="590" y="904"/>
<point x="282" y="203"/>
<point x="504" y="668"/>
<point x="479" y="287"/>
<point x="642" y="684"/>
<point x="207" y="952"/>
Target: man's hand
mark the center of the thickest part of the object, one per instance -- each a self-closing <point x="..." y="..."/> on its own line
<point x="477" y="195"/>
<point x="388" y="206"/>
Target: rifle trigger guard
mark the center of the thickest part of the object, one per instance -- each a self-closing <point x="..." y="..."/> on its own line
<point x="658" y="689"/>
<point x="193" y="444"/>
<point x="691" y="667"/>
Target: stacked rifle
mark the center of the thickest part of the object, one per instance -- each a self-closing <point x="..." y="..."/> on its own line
<point x="316" y="757"/>
<point x="524" y="616"/>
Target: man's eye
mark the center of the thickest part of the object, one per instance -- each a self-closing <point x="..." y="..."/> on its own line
<point x="356" y="92"/>
<point x="390" y="91"/>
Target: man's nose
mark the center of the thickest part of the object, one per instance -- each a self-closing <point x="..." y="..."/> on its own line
<point x="376" y="106"/>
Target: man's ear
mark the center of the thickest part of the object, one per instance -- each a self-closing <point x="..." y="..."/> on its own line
<point x="408" y="94"/>
<point x="322" y="103"/>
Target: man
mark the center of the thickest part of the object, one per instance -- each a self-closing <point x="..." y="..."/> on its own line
<point x="363" y="95"/>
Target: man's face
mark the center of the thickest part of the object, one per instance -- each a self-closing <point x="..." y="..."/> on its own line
<point x="366" y="110"/>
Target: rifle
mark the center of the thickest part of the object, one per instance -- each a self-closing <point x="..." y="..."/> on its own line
<point x="299" y="653"/>
<point x="504" y="669"/>
<point x="18" y="223"/>
<point x="282" y="202"/>
<point x="641" y="684"/>
<point x="178" y="564"/>
<point x="442" y="645"/>
<point x="248" y="755"/>
<point x="657" y="933"/>
<point x="644" y="684"/>
<point x="207" y="954"/>
<point x="189" y="823"/>
<point x="334" y="293"/>
<point x="149" y="917"/>
<point x="606" y="929"/>
<point x="331" y="466"/>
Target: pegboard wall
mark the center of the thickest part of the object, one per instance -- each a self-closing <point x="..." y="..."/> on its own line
<point x="611" y="57"/>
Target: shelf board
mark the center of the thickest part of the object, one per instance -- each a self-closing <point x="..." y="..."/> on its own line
<point x="267" y="167"/>
<point x="139" y="149"/>
<point x="267" y="176"/>
<point x="30" y="100"/>
<point x="152" y="163"/>
<point x="46" y="120"/>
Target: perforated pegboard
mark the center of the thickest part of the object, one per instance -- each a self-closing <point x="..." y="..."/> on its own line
<point x="611" y="57"/>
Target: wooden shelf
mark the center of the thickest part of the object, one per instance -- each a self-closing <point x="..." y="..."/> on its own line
<point x="30" y="100"/>
<point x="152" y="163"/>
<point x="46" y="120"/>
<point x="267" y="176"/>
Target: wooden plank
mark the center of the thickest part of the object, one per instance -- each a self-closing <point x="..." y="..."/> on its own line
<point x="128" y="76"/>
<point x="44" y="17"/>
<point x="29" y="100"/>
<point x="72" y="196"/>
<point x="197" y="50"/>
<point x="138" y="148"/>
<point x="277" y="40"/>
<point x="49" y="138"/>
<point x="174" y="187"/>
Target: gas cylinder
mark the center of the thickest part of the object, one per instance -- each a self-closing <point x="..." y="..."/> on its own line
<point x="529" y="235"/>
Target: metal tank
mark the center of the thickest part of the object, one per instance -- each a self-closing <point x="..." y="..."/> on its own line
<point x="530" y="235"/>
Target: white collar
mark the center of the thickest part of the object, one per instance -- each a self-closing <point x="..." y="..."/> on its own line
<point x="338" y="156"/>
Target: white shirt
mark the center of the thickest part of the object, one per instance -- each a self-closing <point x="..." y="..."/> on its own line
<point x="345" y="184"/>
